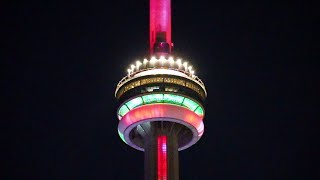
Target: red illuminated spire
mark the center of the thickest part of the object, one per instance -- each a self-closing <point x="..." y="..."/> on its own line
<point x="160" y="26"/>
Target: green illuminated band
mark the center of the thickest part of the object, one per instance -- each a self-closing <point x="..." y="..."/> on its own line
<point x="160" y="98"/>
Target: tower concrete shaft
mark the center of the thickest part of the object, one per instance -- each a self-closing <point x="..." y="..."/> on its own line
<point x="153" y="149"/>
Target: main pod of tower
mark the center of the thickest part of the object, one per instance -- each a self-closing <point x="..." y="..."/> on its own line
<point x="160" y="93"/>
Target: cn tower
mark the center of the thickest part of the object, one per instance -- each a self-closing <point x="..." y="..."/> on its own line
<point x="161" y="101"/>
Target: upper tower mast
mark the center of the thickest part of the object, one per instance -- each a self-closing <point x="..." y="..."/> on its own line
<point x="160" y="27"/>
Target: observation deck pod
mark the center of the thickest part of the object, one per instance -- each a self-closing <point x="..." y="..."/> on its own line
<point x="160" y="96"/>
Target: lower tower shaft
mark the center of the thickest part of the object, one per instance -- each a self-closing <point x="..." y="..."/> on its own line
<point x="161" y="151"/>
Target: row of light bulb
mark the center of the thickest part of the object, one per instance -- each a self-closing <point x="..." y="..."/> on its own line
<point x="163" y="62"/>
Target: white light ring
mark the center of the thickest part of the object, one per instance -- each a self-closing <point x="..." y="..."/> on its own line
<point x="158" y="71"/>
<point x="161" y="112"/>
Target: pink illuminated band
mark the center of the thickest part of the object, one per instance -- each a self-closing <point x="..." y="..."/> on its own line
<point x="161" y="112"/>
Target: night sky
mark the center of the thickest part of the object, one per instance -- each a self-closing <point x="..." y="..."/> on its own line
<point x="63" y="60"/>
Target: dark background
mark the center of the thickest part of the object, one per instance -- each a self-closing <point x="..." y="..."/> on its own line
<point x="63" y="59"/>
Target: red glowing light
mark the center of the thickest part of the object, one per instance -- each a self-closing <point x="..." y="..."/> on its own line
<point x="162" y="157"/>
<point x="161" y="112"/>
<point x="152" y="111"/>
<point x="160" y="22"/>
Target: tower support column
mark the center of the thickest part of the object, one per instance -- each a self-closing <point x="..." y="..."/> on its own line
<point x="153" y="165"/>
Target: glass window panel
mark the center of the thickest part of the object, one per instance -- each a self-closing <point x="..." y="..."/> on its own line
<point x="199" y="111"/>
<point x="123" y="110"/>
<point x="152" y="98"/>
<point x="190" y="104"/>
<point x="174" y="99"/>
<point x="134" y="102"/>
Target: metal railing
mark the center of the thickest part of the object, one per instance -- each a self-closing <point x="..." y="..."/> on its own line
<point x="132" y="76"/>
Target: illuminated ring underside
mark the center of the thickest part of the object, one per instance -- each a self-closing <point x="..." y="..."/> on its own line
<point x="161" y="112"/>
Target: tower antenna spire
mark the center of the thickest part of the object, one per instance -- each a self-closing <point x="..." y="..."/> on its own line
<point x="160" y="27"/>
